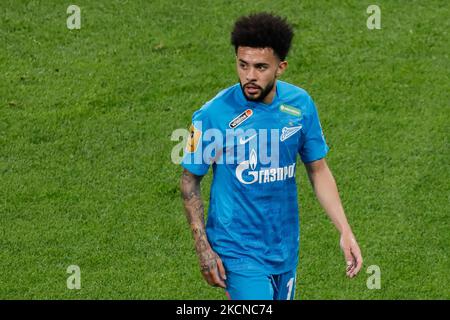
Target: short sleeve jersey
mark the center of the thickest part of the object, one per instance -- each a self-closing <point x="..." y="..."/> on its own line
<point x="252" y="147"/>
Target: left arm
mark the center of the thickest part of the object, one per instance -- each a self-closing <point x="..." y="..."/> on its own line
<point x="325" y="188"/>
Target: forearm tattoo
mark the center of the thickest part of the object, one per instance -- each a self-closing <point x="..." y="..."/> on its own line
<point x="193" y="204"/>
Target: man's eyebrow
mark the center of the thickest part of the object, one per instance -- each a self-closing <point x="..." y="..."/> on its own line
<point x="259" y="64"/>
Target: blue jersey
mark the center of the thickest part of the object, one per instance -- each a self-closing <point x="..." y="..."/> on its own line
<point x="253" y="221"/>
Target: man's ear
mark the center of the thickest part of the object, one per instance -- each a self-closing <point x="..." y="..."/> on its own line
<point x="281" y="68"/>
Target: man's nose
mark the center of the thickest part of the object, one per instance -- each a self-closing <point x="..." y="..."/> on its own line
<point x="251" y="75"/>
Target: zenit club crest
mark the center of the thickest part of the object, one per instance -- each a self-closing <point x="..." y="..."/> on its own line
<point x="240" y="118"/>
<point x="286" y="132"/>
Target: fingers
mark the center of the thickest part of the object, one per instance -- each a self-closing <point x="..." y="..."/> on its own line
<point x="350" y="269"/>
<point x="358" y="267"/>
<point x="214" y="273"/>
<point x="217" y="281"/>
<point x="221" y="269"/>
<point x="349" y="259"/>
<point x="354" y="263"/>
<point x="358" y="262"/>
<point x="213" y="278"/>
<point x="352" y="254"/>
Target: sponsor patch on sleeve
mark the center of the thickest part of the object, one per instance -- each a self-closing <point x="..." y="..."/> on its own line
<point x="193" y="139"/>
<point x="291" y="110"/>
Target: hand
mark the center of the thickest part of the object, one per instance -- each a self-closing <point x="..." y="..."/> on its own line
<point x="212" y="268"/>
<point x="352" y="254"/>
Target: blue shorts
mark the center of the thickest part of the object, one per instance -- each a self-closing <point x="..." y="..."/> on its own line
<point x="256" y="285"/>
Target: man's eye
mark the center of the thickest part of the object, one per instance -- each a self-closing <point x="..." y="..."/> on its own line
<point x="262" y="67"/>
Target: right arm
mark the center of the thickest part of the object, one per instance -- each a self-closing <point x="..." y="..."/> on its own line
<point x="210" y="263"/>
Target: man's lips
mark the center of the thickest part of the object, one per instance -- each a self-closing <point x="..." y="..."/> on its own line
<point x="252" y="89"/>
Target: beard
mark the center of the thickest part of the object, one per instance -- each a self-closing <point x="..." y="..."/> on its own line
<point x="263" y="91"/>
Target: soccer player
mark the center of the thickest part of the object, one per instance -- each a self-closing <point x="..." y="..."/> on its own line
<point x="250" y="134"/>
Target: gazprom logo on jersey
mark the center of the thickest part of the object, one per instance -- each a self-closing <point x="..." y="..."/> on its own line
<point x="246" y="173"/>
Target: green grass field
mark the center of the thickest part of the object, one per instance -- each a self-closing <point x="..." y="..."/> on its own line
<point x="86" y="117"/>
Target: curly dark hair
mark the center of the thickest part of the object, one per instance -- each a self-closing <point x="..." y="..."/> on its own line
<point x="261" y="30"/>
